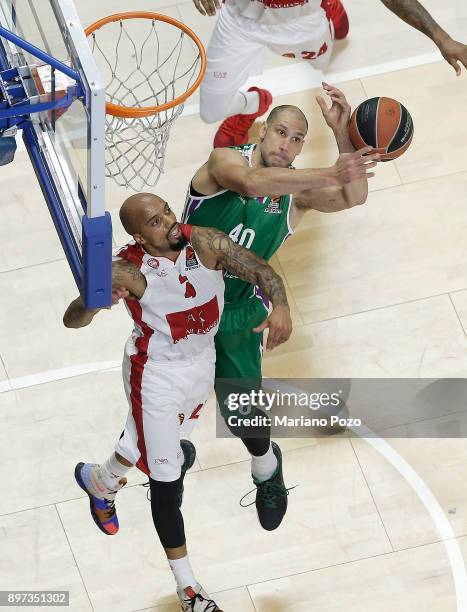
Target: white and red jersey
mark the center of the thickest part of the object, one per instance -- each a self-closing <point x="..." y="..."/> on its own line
<point x="178" y="315"/>
<point x="275" y="12"/>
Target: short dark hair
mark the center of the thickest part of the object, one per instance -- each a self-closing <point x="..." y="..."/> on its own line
<point x="286" y="107"/>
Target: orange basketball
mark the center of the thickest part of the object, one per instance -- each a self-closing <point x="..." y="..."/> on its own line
<point x="382" y="123"/>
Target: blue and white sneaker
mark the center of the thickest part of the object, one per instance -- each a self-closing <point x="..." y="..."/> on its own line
<point x="101" y="502"/>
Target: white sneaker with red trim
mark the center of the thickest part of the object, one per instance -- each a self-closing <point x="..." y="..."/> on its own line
<point x="195" y="599"/>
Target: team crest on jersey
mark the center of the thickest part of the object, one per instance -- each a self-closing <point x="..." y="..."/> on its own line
<point x="274" y="206"/>
<point x="181" y="417"/>
<point x="153" y="262"/>
<point x="155" y="265"/>
<point x="191" y="259"/>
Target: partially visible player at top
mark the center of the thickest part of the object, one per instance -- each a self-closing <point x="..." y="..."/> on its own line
<point x="252" y="193"/>
<point x="293" y="28"/>
<point x="171" y="278"/>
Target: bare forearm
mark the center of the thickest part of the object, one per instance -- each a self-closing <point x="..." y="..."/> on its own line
<point x="267" y="181"/>
<point x="219" y="248"/>
<point x="356" y="192"/>
<point x="272" y="286"/>
<point x="413" y="13"/>
<point x="77" y="315"/>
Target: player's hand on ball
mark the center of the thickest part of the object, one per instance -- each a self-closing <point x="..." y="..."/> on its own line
<point x="280" y="327"/>
<point x="337" y="117"/>
<point x="207" y="7"/>
<point x="454" y="52"/>
<point x="354" y="166"/>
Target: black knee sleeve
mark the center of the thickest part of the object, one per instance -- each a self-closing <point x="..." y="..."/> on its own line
<point x="258" y="446"/>
<point x="256" y="438"/>
<point x="168" y="520"/>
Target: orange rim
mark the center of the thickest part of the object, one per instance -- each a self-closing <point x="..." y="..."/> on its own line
<point x="145" y="111"/>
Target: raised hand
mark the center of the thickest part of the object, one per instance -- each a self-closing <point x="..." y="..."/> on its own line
<point x="338" y="115"/>
<point x="207" y="7"/>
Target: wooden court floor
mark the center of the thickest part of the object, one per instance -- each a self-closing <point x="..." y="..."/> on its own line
<point x="377" y="291"/>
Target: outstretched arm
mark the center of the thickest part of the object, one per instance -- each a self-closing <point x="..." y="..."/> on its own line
<point x="416" y="15"/>
<point x="218" y="251"/>
<point x="334" y="199"/>
<point x="227" y="169"/>
<point x="127" y="280"/>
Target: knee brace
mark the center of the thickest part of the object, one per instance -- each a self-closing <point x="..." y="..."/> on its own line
<point x="168" y="520"/>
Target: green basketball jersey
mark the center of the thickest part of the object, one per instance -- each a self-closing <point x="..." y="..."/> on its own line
<point x="260" y="224"/>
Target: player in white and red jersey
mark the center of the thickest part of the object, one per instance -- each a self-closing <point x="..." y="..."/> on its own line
<point x="171" y="278"/>
<point x="293" y="28"/>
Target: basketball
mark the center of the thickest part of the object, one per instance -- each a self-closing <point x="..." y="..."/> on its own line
<point x="382" y="123"/>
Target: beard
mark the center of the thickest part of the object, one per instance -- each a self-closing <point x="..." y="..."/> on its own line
<point x="179" y="245"/>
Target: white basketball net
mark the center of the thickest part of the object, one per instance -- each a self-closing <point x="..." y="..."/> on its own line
<point x="144" y="63"/>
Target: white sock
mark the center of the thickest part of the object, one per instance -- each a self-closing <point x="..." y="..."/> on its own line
<point x="263" y="467"/>
<point x="111" y="473"/>
<point x="183" y="573"/>
<point x="251" y="102"/>
<point x="244" y="103"/>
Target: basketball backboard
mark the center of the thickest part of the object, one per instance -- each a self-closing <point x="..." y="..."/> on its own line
<point x="66" y="146"/>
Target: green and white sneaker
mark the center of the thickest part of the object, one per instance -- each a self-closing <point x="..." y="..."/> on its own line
<point x="271" y="496"/>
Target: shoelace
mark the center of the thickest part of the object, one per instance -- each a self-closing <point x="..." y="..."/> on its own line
<point x="268" y="492"/>
<point x="111" y="508"/>
<point x="210" y="604"/>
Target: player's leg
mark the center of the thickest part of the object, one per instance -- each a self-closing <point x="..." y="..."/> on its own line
<point x="101" y="482"/>
<point x="233" y="55"/>
<point x="164" y="459"/>
<point x="308" y="38"/>
<point x="238" y="370"/>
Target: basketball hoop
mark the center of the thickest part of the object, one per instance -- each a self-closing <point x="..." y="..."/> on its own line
<point x="150" y="66"/>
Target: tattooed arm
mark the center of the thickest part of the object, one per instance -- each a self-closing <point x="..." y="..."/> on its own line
<point x="413" y="13"/>
<point x="217" y="251"/>
<point x="127" y="281"/>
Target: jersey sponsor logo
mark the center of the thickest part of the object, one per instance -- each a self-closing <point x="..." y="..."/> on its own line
<point x="220" y="75"/>
<point x="196" y="320"/>
<point x="153" y="262"/>
<point x="274" y="206"/>
<point x="161" y="461"/>
<point x="191" y="260"/>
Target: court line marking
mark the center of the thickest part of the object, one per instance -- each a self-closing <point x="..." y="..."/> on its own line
<point x="293" y="78"/>
<point x="284" y="80"/>
<point x="428" y="499"/>
<point x="298" y="77"/>
<point x="40" y="378"/>
<point x="404" y="468"/>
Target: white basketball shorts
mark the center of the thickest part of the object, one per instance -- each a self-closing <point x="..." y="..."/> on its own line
<point x="162" y="398"/>
<point x="235" y="51"/>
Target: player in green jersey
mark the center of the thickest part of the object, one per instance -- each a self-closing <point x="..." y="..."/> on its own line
<point x="237" y="191"/>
